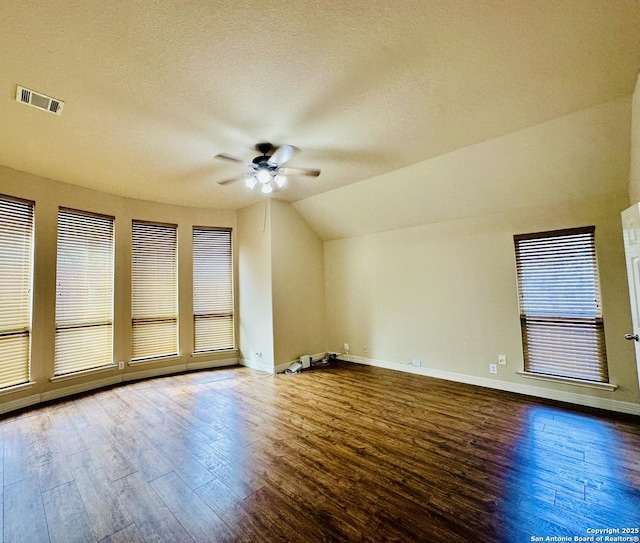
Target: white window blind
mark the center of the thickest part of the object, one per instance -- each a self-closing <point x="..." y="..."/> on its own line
<point x="213" y="290"/>
<point x="560" y="312"/>
<point x="16" y="276"/>
<point x="154" y="297"/>
<point x="84" y="292"/>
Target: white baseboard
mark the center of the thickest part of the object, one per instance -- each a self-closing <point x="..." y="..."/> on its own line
<point x="528" y="390"/>
<point x="259" y="366"/>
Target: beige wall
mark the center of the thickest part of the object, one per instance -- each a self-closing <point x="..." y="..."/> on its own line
<point x="281" y="286"/>
<point x="297" y="262"/>
<point x="403" y="289"/>
<point x="48" y="195"/>
<point x="634" y="175"/>
<point x="279" y="270"/>
<point x="280" y="279"/>
<point x="407" y="287"/>
<point x="446" y="294"/>
<point x="254" y="286"/>
<point x="582" y="155"/>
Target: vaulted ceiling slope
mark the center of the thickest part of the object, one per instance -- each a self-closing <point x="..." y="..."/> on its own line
<point x="153" y="90"/>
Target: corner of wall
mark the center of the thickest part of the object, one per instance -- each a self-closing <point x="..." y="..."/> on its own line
<point x="297" y="260"/>
<point x="255" y="306"/>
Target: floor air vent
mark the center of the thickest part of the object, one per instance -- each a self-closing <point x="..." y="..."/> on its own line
<point x="38" y="100"/>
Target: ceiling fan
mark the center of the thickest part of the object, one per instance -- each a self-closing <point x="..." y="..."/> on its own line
<point x="266" y="169"/>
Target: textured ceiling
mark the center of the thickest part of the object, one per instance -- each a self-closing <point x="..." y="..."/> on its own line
<point x="154" y="89"/>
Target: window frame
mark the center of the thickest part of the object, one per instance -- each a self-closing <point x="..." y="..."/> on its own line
<point x="148" y="319"/>
<point x="23" y="227"/>
<point x="562" y="338"/>
<point x="211" y="311"/>
<point x="64" y="365"/>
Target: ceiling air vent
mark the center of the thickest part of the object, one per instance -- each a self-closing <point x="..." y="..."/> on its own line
<point x="41" y="101"/>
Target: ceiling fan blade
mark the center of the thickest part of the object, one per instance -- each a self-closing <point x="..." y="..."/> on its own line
<point x="230" y="158"/>
<point x="283" y="154"/>
<point x="231" y="180"/>
<point x="301" y="171"/>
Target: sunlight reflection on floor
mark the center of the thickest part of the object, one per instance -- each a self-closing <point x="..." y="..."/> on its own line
<point x="566" y="478"/>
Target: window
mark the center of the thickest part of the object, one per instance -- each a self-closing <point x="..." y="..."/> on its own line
<point x="16" y="276"/>
<point x="84" y="292"/>
<point x="154" y="296"/>
<point x="560" y="313"/>
<point x="213" y="290"/>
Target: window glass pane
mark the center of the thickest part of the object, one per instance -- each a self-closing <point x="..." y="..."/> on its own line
<point x="560" y="310"/>
<point x="84" y="292"/>
<point x="213" y="290"/>
<point x="16" y="276"/>
<point x="154" y="297"/>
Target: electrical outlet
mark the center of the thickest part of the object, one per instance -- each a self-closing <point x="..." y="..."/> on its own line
<point x="416" y="363"/>
<point x="121" y="365"/>
<point x="364" y="349"/>
<point x="259" y="354"/>
<point x="493" y="368"/>
<point x="502" y="359"/>
<point x="346" y="346"/>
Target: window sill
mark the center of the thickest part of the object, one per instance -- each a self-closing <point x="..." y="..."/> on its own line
<point x="82" y="373"/>
<point x="568" y="380"/>
<point x="154" y="360"/>
<point x="16" y="388"/>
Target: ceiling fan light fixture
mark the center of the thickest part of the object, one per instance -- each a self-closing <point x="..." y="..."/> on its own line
<point x="266" y="170"/>
<point x="251" y="181"/>
<point x="263" y="175"/>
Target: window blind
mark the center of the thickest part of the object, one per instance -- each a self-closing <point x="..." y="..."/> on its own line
<point x="213" y="290"/>
<point x="560" y="311"/>
<point x="84" y="292"/>
<point x="16" y="276"/>
<point x="154" y="297"/>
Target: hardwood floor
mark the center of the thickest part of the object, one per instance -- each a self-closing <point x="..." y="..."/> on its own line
<point x="340" y="453"/>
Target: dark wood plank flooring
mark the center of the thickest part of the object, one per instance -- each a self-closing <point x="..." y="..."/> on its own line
<point x="339" y="453"/>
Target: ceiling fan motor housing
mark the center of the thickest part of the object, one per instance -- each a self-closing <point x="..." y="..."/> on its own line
<point x="263" y="160"/>
<point x="264" y="148"/>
